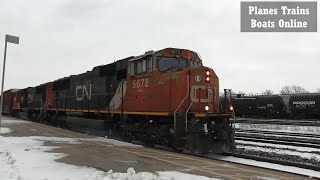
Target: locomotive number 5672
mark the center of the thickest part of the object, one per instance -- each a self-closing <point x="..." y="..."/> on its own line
<point x="144" y="82"/>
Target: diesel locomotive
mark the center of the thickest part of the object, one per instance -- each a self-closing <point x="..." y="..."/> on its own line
<point x="165" y="97"/>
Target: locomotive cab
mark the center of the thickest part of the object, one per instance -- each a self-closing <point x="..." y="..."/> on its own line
<point x="174" y="83"/>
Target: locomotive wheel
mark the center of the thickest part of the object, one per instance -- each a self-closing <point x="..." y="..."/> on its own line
<point x="177" y="150"/>
<point x="149" y="143"/>
<point x="126" y="137"/>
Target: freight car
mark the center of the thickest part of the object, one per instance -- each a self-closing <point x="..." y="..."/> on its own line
<point x="297" y="106"/>
<point x="304" y="106"/>
<point x="245" y="106"/>
<point x="162" y="97"/>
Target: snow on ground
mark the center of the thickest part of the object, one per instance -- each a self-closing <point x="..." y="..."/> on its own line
<point x="301" y="149"/>
<point x="179" y="175"/>
<point x="283" y="152"/>
<point x="26" y="158"/>
<point x="290" y="169"/>
<point x="4" y="130"/>
<point x="278" y="135"/>
<point x="110" y="141"/>
<point x="132" y="175"/>
<point x="13" y="121"/>
<point x="280" y="128"/>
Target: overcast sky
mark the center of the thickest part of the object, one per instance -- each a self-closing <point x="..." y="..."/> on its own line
<point x="64" y="37"/>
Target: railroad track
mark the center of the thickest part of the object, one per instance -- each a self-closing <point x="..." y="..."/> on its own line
<point x="281" y="142"/>
<point x="275" y="161"/>
<point x="303" y="135"/>
<point x="305" y="122"/>
<point x="271" y="137"/>
<point x="281" y="138"/>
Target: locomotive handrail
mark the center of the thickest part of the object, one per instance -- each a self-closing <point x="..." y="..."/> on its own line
<point x="175" y="112"/>
<point x="195" y="92"/>
<point x="44" y="106"/>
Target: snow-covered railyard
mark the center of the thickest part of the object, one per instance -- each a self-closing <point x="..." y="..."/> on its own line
<point x="283" y="152"/>
<point x="32" y="151"/>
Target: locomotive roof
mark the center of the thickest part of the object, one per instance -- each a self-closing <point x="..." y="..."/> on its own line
<point x="148" y="53"/>
<point x="12" y="90"/>
<point x="130" y="58"/>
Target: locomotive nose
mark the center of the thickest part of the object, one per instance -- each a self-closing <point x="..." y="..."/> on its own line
<point x="204" y="88"/>
<point x="202" y="76"/>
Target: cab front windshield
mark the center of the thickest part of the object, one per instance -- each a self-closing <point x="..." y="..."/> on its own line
<point x="166" y="63"/>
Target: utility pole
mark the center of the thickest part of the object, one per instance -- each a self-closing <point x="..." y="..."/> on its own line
<point x="9" y="39"/>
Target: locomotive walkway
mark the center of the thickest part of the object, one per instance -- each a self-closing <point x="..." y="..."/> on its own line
<point x="105" y="155"/>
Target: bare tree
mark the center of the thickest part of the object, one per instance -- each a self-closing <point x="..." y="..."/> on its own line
<point x="318" y="90"/>
<point x="298" y="89"/>
<point x="286" y="90"/>
<point x="294" y="89"/>
<point x="267" y="92"/>
<point x="241" y="93"/>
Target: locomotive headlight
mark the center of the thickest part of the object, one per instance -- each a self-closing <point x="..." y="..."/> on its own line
<point x="208" y="76"/>
<point x="231" y="108"/>
<point x="206" y="108"/>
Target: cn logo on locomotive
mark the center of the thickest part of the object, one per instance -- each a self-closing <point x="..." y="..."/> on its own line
<point x="81" y="92"/>
<point x="197" y="78"/>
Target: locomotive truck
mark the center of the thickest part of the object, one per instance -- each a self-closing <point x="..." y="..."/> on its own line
<point x="165" y="97"/>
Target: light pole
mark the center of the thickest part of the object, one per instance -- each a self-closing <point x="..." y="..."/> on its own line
<point x="9" y="39"/>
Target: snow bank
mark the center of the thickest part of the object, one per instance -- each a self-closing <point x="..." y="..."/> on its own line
<point x="5" y="130"/>
<point x="132" y="175"/>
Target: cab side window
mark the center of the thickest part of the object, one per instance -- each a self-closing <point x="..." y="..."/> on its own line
<point x="143" y="66"/>
<point x="132" y="68"/>
<point x="149" y="65"/>
<point x="139" y="67"/>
